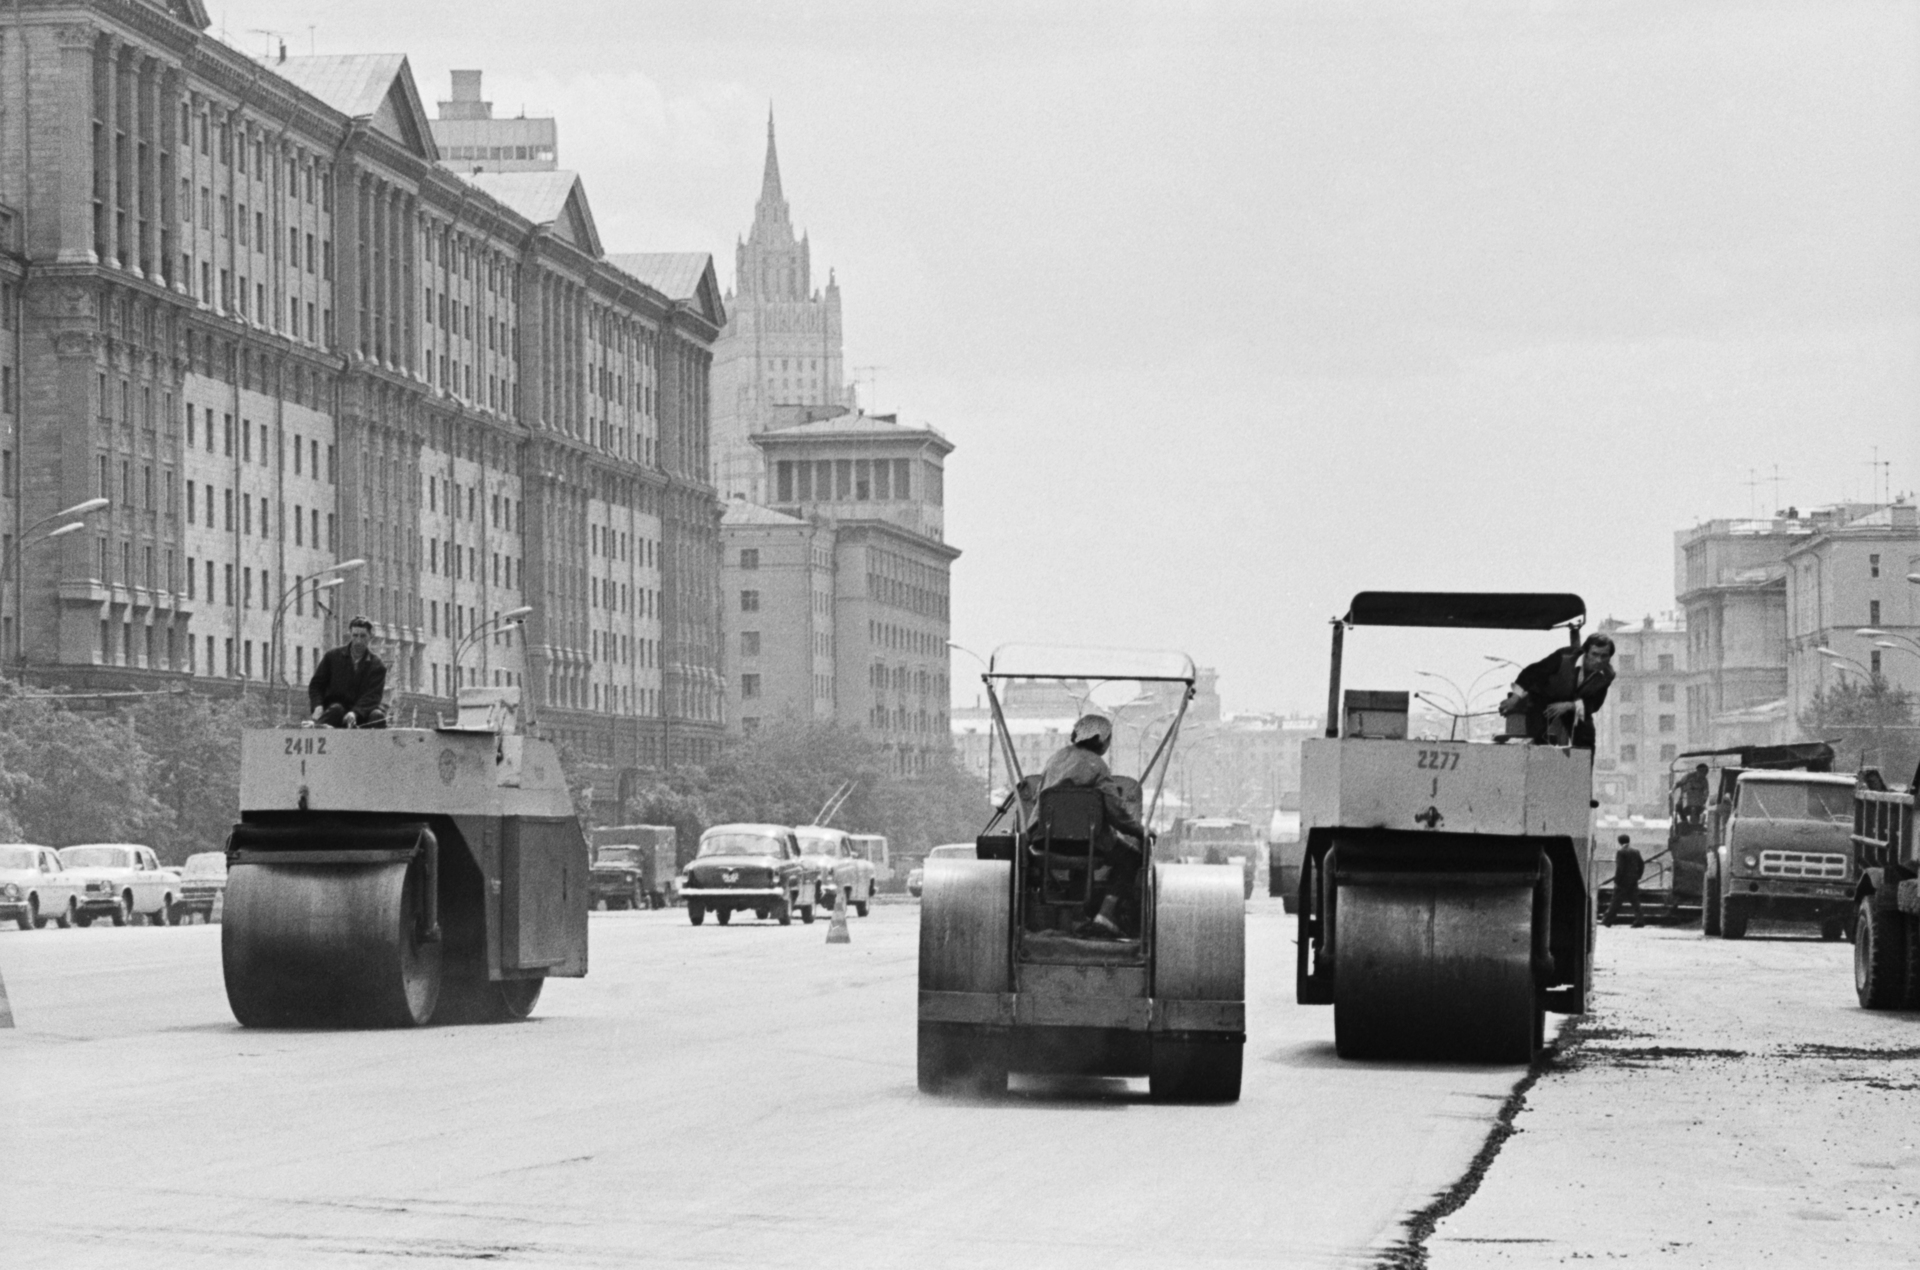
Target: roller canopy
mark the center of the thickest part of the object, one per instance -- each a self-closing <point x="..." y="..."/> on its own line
<point x="1488" y="610"/>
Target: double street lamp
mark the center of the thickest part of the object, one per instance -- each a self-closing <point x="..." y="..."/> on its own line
<point x="512" y="617"/>
<point x="313" y="585"/>
<point x="27" y="539"/>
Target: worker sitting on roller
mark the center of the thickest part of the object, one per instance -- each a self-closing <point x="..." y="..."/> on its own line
<point x="1562" y="692"/>
<point x="348" y="683"/>
<point x="1080" y="763"/>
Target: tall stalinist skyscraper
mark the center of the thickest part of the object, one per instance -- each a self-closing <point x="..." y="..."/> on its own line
<point x="778" y="362"/>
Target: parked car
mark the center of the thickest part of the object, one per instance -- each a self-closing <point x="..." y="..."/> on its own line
<point x="121" y="881"/>
<point x="945" y="851"/>
<point x="35" y="888"/>
<point x="202" y="878"/>
<point x="834" y="865"/>
<point x="751" y="868"/>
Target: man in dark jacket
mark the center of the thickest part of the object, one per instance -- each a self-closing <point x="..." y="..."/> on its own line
<point x="1628" y="869"/>
<point x="348" y="683"/>
<point x="1080" y="762"/>
<point x="1565" y="689"/>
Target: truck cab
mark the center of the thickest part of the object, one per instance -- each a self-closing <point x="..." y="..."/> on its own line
<point x="1779" y="847"/>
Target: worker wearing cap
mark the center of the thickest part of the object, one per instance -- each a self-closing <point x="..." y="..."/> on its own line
<point x="348" y="683"/>
<point x="1628" y="868"/>
<point x="1081" y="763"/>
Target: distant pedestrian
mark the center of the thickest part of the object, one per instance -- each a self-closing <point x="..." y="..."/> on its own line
<point x="1628" y="868"/>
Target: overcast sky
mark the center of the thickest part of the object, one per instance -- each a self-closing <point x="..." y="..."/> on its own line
<point x="1235" y="309"/>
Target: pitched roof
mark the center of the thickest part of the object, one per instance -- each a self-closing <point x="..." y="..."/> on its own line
<point x="374" y="86"/>
<point x="545" y="198"/>
<point x="741" y="512"/>
<point x="685" y="277"/>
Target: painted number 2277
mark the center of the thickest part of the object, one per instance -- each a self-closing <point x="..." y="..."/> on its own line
<point x="1438" y="760"/>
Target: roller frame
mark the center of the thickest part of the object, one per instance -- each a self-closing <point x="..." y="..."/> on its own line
<point x="1177" y="1014"/>
<point x="487" y="832"/>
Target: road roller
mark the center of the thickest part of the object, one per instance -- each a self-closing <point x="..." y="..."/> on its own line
<point x="1443" y="905"/>
<point x="1016" y="976"/>
<point x="399" y="876"/>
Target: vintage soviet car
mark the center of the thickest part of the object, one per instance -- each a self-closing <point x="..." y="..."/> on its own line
<point x="35" y="888"/>
<point x="916" y="878"/>
<point x="202" y="877"/>
<point x="755" y="868"/>
<point x="834" y="865"/>
<point x="121" y="881"/>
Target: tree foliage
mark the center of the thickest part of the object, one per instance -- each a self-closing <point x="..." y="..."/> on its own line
<point x="71" y="776"/>
<point x="1870" y="722"/>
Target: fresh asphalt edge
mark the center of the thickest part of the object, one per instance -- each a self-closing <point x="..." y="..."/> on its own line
<point x="1410" y="1253"/>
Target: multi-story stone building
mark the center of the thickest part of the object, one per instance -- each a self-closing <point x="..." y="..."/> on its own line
<point x="1644" y="726"/>
<point x="1730" y="578"/>
<point x="258" y="316"/>
<point x="1848" y="591"/>
<point x="470" y="139"/>
<point x="837" y="600"/>
<point x="780" y="351"/>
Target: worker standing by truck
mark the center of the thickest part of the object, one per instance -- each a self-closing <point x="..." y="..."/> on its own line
<point x="1628" y="868"/>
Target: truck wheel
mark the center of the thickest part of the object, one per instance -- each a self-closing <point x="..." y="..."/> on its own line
<point x="1879" y="956"/>
<point x="806" y="914"/>
<point x="722" y="914"/>
<point x="1733" y="919"/>
<point x="696" y="912"/>
<point x="1910" y="999"/>
<point x="1710" y="906"/>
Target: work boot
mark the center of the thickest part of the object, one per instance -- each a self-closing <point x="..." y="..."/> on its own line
<point x="1101" y="925"/>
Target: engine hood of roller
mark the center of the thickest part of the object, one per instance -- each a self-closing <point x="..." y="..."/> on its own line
<point x="410" y="771"/>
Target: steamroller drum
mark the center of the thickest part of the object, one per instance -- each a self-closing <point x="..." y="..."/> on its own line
<point x="326" y="945"/>
<point x="1200" y="954"/>
<point x="1426" y="972"/>
<point x="470" y="997"/>
<point x="965" y="911"/>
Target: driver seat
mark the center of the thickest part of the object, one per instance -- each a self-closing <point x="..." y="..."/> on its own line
<point x="1067" y="827"/>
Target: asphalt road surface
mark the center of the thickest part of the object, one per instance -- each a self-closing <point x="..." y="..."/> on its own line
<point x="1725" y="1104"/>
<point x="738" y="1095"/>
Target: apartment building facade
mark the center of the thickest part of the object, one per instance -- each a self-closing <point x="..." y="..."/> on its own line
<point x="261" y="320"/>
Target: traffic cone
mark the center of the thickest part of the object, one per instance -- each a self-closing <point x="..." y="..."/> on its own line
<point x="837" y="932"/>
<point x="6" y="1009"/>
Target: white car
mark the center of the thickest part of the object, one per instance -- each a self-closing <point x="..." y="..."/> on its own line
<point x="917" y="879"/>
<point x="35" y="888"/>
<point x="121" y="881"/>
<point x="834" y="863"/>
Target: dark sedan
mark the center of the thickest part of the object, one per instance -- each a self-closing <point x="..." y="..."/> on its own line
<point x="746" y="868"/>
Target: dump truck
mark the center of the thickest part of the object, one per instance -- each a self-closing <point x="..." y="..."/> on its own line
<point x="1886" y="940"/>
<point x="635" y="866"/>
<point x="398" y="876"/>
<point x="1444" y="906"/>
<point x="1776" y="841"/>
<point x="1011" y="979"/>
<point x="1693" y="835"/>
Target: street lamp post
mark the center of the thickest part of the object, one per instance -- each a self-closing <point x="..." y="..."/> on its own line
<point x="989" y="735"/>
<point x="8" y="566"/>
<point x="512" y="617"/>
<point x="312" y="583"/>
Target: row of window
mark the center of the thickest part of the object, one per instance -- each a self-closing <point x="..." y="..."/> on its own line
<point x="1631" y="753"/>
<point x="1630" y="724"/>
<point x="844" y="480"/>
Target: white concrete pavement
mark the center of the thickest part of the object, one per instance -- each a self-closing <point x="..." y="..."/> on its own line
<point x="1726" y="1104"/>
<point x="711" y="1096"/>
